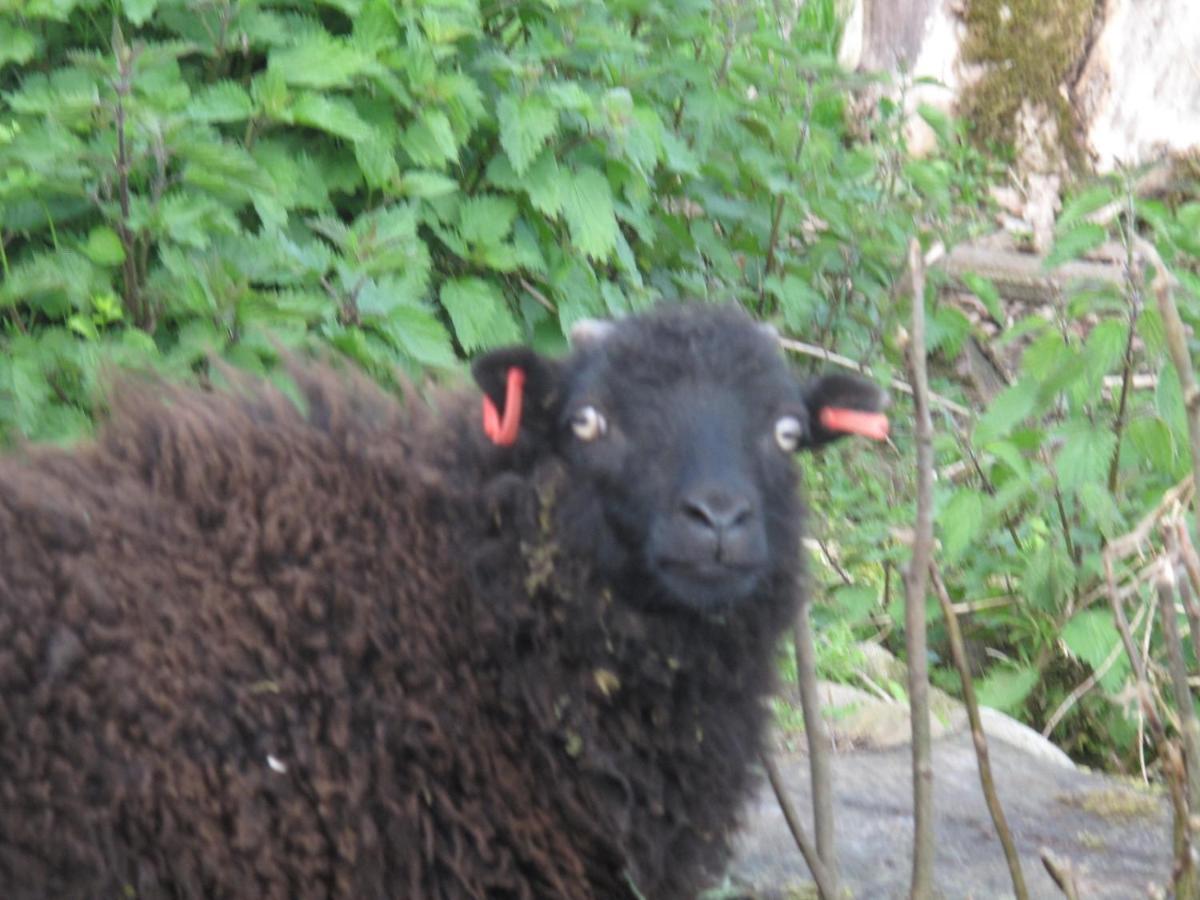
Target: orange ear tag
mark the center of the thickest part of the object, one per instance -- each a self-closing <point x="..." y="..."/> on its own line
<point x="503" y="433"/>
<point x="852" y="421"/>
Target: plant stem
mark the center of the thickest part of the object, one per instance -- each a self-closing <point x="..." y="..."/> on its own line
<point x="915" y="584"/>
<point x="979" y="738"/>
<point x="818" y="747"/>
<point x="820" y="876"/>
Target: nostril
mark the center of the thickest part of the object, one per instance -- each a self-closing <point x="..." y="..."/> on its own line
<point x="717" y="510"/>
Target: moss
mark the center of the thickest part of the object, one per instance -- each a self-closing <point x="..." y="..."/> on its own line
<point x="1027" y="48"/>
<point x="1113" y="803"/>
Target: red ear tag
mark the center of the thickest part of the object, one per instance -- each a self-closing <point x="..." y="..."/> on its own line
<point x="503" y="433"/>
<point x="852" y="421"/>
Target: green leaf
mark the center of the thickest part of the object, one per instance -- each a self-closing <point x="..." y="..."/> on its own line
<point x="985" y="290"/>
<point x="16" y="44"/>
<point x="526" y="123"/>
<point x="377" y="159"/>
<point x="139" y="11"/>
<point x="961" y="521"/>
<point x="1005" y="688"/>
<point x="1009" y="408"/>
<point x="1091" y="635"/>
<point x="1152" y="439"/>
<point x="1104" y="349"/>
<point x="333" y="115"/>
<point x="1075" y="243"/>
<point x="479" y="313"/>
<point x="418" y="333"/>
<point x="1084" y="204"/>
<point x="104" y="247"/>
<point x="486" y="219"/>
<point x="546" y="183"/>
<point x="1085" y="455"/>
<point x="318" y="60"/>
<point x="588" y="208"/>
<point x="224" y="101"/>
<point x="427" y="185"/>
<point x="855" y="603"/>
<point x="430" y="140"/>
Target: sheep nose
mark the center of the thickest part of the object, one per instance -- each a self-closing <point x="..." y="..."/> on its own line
<point x="717" y="516"/>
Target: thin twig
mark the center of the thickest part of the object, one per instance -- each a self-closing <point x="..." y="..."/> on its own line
<point x="958" y="651"/>
<point x="1091" y="681"/>
<point x="820" y="768"/>
<point x="537" y="295"/>
<point x="820" y="876"/>
<point x="1062" y="872"/>
<point x="1145" y="698"/>
<point x="1187" y="552"/>
<point x="1171" y="530"/>
<point x="1189" y="727"/>
<point x="1176" y="335"/>
<point x="1183" y="874"/>
<point x="847" y="363"/>
<point x="915" y="585"/>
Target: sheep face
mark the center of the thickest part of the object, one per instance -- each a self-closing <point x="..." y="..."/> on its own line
<point x="677" y="431"/>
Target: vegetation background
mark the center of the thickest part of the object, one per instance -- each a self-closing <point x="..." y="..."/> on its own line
<point x="407" y="183"/>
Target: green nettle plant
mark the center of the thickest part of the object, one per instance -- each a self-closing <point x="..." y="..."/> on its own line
<point x="412" y="182"/>
<point x="407" y="183"/>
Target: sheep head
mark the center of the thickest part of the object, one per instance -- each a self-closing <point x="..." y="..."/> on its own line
<point x="677" y="430"/>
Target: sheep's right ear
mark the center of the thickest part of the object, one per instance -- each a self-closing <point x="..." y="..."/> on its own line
<point x="539" y="387"/>
<point x="840" y="404"/>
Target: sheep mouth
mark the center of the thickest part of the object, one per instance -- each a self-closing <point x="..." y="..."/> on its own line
<point x="707" y="584"/>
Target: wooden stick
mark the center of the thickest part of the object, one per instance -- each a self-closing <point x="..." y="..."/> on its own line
<point x="1176" y="335"/>
<point x="1189" y="727"/>
<point x="1062" y="872"/>
<point x="847" y="363"/>
<point x="818" y="748"/>
<point x="987" y="782"/>
<point x="915" y="585"/>
<point x="809" y="852"/>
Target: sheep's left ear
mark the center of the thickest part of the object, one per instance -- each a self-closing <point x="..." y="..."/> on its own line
<point x="840" y="404"/>
<point x="537" y="390"/>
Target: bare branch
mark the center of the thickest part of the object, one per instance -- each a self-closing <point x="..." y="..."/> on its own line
<point x="818" y="747"/>
<point x="846" y="362"/>
<point x="1176" y="336"/>
<point x="1062" y="872"/>
<point x="915" y="586"/>
<point x="820" y="876"/>
<point x="987" y="782"/>
<point x="1189" y="727"/>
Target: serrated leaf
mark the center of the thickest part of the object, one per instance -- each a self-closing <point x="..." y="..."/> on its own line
<point x="545" y="183"/>
<point x="333" y="115"/>
<point x="1075" y="243"/>
<point x="526" y="123"/>
<point x="225" y="101"/>
<point x="985" y="290"/>
<point x="1006" y="688"/>
<point x="104" y="247"/>
<point x="486" y="220"/>
<point x="588" y="208"/>
<point x="960" y="522"/>
<point x="1049" y="577"/>
<point x="430" y="140"/>
<point x="1085" y="455"/>
<point x="1091" y="635"/>
<point x="427" y="185"/>
<point x="138" y="11"/>
<point x="1009" y="408"/>
<point x="480" y="316"/>
<point x="1152" y="439"/>
<point x="377" y="159"/>
<point x="16" y="44"/>
<point x="1105" y="348"/>
<point x="319" y="60"/>
<point x="419" y="334"/>
<point x="1084" y="204"/>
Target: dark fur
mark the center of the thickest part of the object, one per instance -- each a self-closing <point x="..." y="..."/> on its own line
<point x="475" y="682"/>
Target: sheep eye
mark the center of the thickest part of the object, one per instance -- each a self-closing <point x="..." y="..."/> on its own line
<point x="588" y="424"/>
<point x="788" y="433"/>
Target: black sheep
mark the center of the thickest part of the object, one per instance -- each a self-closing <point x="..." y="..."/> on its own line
<point x="361" y="651"/>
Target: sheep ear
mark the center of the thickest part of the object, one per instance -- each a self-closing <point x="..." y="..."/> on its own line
<point x="839" y="405"/>
<point x="540" y="391"/>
